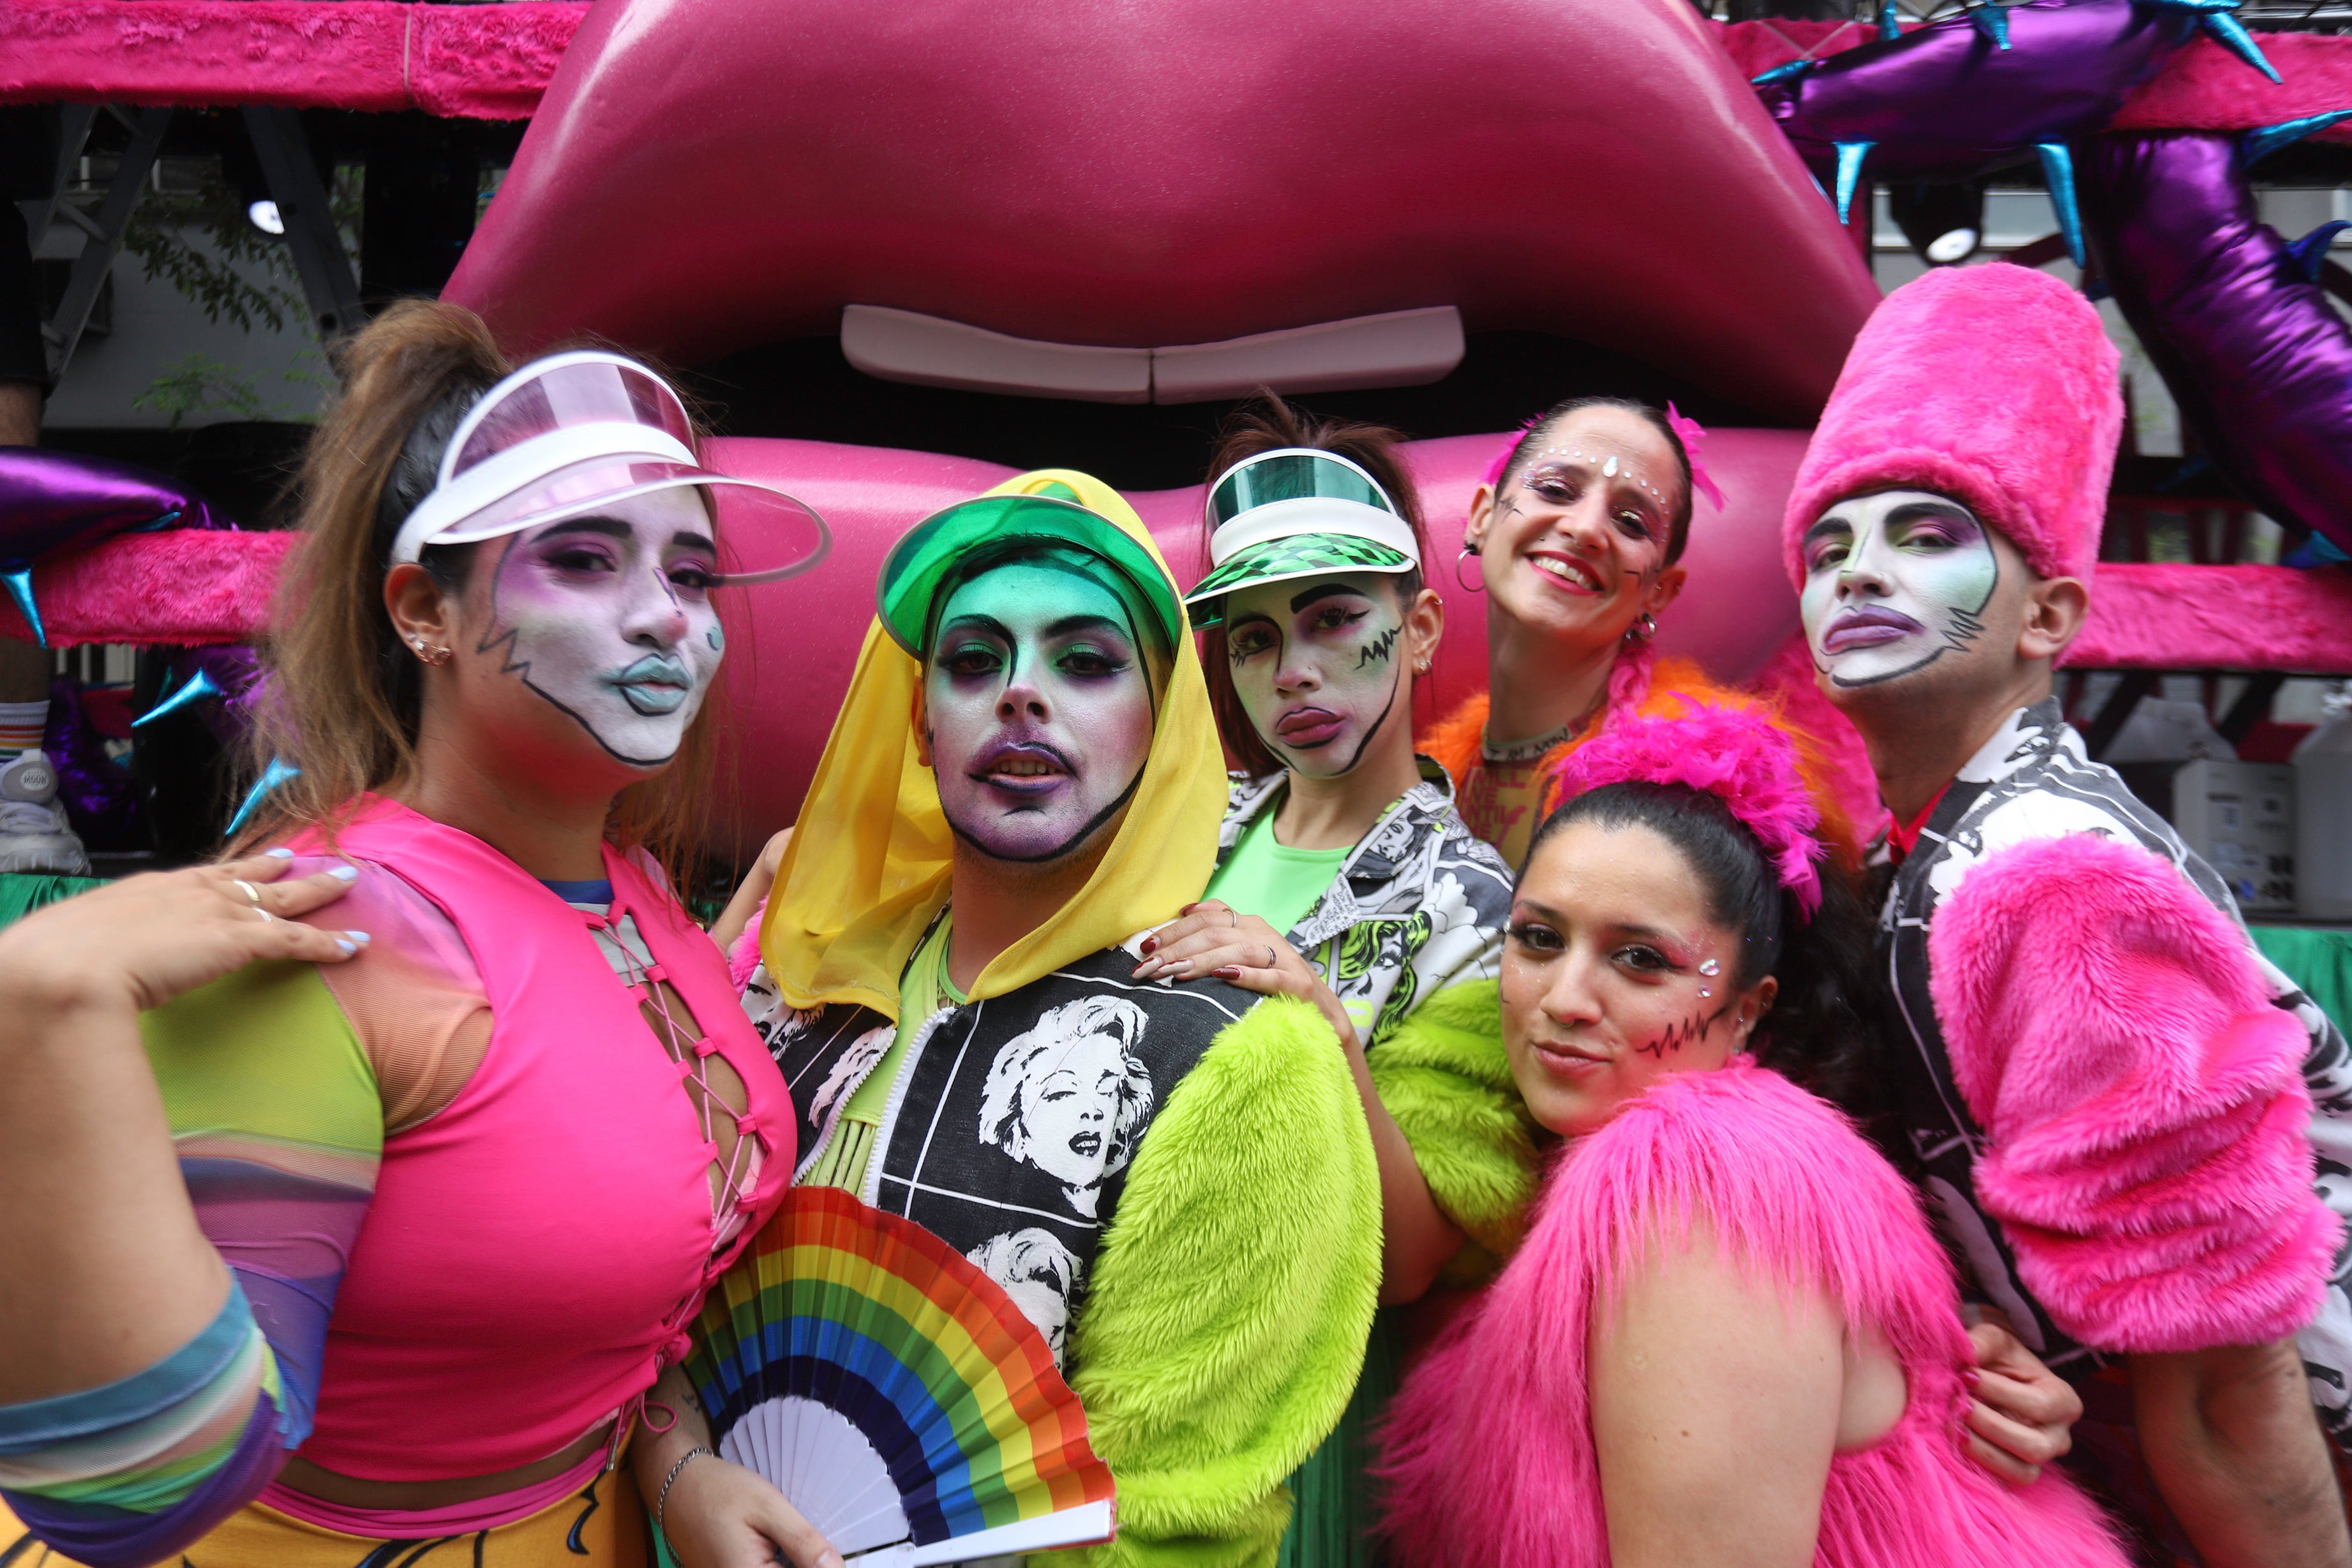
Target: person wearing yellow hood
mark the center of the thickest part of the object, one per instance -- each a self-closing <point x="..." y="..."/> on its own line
<point x="1174" y="1181"/>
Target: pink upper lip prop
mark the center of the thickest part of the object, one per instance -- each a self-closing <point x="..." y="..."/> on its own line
<point x="1867" y="626"/>
<point x="1100" y="175"/>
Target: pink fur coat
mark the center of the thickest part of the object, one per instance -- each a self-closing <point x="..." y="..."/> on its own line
<point x="1489" y="1453"/>
<point x="2141" y="1097"/>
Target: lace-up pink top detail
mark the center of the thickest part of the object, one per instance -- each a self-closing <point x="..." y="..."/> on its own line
<point x="739" y="1155"/>
<point x="537" y="1246"/>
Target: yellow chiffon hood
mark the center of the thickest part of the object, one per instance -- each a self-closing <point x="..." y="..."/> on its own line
<point x="868" y="864"/>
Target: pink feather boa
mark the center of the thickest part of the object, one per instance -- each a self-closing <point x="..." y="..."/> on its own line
<point x="2142" y="1097"/>
<point x="1489" y="1452"/>
<point x="1735" y="754"/>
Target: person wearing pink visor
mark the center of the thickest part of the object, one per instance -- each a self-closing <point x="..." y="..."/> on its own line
<point x="357" y="1190"/>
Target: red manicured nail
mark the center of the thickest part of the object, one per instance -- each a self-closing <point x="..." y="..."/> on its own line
<point x="1151" y="943"/>
<point x="1968" y="1377"/>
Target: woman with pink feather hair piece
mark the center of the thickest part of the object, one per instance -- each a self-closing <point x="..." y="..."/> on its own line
<point x="1728" y="1333"/>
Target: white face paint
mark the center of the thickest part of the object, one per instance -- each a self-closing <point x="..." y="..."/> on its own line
<point x="609" y="618"/>
<point x="1316" y="663"/>
<point x="1894" y="582"/>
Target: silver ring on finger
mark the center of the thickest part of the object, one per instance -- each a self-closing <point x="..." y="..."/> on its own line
<point x="1234" y="917"/>
<point x="1269" y="954"/>
<point x="265" y="916"/>
<point x="252" y="894"/>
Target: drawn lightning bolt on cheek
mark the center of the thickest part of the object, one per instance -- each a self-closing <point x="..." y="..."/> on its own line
<point x="1690" y="1031"/>
<point x="1378" y="648"/>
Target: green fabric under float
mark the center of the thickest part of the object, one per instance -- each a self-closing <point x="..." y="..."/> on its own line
<point x="2317" y="957"/>
<point x="21" y="893"/>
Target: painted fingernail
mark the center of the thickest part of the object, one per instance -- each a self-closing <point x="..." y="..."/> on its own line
<point x="1152" y="943"/>
<point x="1968" y="1377"/>
<point x="345" y="873"/>
<point x="278" y="853"/>
<point x="1228" y="973"/>
<point x="361" y="938"/>
<point x="346" y="946"/>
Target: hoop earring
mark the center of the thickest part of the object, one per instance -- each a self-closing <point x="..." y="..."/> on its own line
<point x="1642" y="631"/>
<point x="1469" y="552"/>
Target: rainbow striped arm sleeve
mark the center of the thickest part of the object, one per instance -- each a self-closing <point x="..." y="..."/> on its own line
<point x="278" y="1121"/>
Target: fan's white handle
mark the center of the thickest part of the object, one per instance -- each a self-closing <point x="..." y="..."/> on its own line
<point x="1081" y="1526"/>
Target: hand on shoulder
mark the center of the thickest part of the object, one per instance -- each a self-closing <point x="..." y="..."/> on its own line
<point x="139" y="943"/>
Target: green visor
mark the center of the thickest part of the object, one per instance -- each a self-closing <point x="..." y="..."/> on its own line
<point x="936" y="550"/>
<point x="1277" y="560"/>
<point x="1297" y="512"/>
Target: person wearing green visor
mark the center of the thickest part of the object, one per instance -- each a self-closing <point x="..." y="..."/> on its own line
<point x="1344" y="875"/>
<point x="1170" y="1177"/>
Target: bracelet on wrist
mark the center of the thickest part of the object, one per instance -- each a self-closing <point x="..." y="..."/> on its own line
<point x="661" y="1503"/>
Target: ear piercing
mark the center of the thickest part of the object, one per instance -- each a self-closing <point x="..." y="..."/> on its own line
<point x="429" y="654"/>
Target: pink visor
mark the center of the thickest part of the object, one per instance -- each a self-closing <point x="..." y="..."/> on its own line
<point x="569" y="434"/>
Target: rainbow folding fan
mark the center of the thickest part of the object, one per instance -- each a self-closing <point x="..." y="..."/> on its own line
<point x="894" y="1393"/>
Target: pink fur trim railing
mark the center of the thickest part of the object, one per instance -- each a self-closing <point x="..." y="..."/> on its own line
<point x="196" y="586"/>
<point x="192" y="586"/>
<point x="485" y="62"/>
<point x="492" y="62"/>
<point x="2201" y="88"/>
<point x="2147" y="616"/>
<point x="2142" y="1099"/>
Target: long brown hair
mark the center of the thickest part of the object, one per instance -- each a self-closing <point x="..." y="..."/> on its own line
<point x="343" y="696"/>
<point x="1266" y="423"/>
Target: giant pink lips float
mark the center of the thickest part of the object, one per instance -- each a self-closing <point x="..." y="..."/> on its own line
<point x="1076" y="187"/>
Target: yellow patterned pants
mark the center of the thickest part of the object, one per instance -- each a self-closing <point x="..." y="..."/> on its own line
<point x="601" y="1526"/>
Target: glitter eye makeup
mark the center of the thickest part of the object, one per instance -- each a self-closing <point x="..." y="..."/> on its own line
<point x="1611" y="467"/>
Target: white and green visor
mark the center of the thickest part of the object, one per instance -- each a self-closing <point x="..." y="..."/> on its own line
<point x="1297" y="512"/>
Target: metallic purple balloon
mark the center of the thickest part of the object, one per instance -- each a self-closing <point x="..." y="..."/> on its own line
<point x="99" y="801"/>
<point x="2259" y="361"/>
<point x="1944" y="102"/>
<point x="61" y="500"/>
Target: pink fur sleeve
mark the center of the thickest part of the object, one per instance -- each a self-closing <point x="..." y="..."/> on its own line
<point x="744" y="956"/>
<point x="2142" y="1099"/>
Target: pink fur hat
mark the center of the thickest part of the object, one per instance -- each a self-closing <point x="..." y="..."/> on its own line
<point x="1995" y="385"/>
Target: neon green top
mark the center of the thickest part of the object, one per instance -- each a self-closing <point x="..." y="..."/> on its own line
<point x="923" y="990"/>
<point x="1276" y="884"/>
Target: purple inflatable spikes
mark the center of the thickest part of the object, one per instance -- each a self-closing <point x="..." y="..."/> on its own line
<point x="2259" y="361"/>
<point x="52" y="501"/>
<point x="1945" y="102"/>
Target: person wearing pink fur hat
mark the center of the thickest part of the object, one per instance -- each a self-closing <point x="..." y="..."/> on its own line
<point x="2109" y="1091"/>
<point x="1728" y="1334"/>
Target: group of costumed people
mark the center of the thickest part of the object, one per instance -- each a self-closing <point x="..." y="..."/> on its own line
<point x="1520" y="1150"/>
